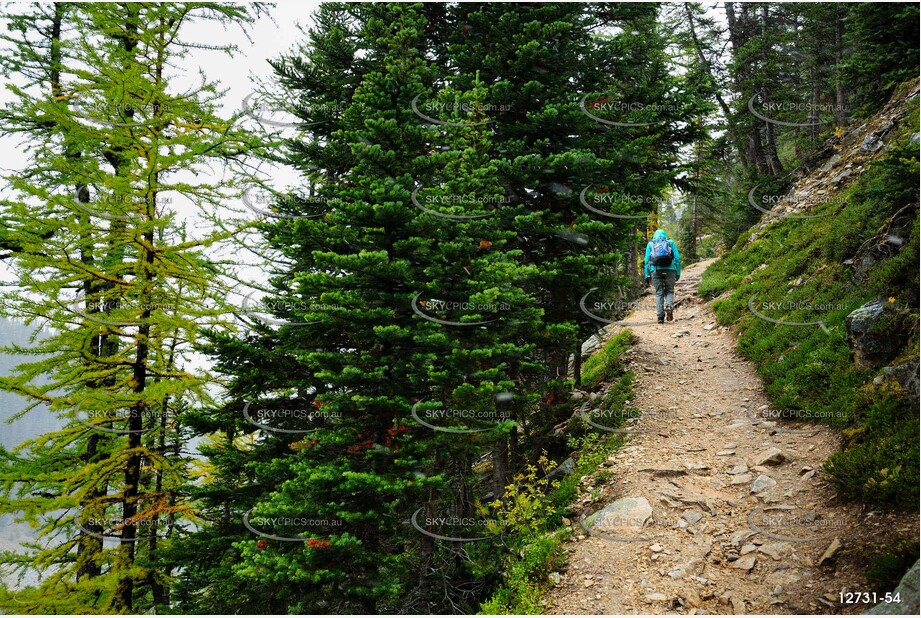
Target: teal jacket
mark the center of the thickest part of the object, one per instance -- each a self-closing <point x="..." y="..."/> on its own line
<point x="676" y="263"/>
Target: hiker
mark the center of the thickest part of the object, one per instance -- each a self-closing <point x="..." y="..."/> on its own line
<point x="663" y="265"/>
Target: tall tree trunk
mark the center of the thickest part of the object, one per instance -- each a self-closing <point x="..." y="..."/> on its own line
<point x="841" y="115"/>
<point x="772" y="157"/>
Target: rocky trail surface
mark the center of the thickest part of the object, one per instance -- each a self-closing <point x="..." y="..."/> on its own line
<point x="716" y="504"/>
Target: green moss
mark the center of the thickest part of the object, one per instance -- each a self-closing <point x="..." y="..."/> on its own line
<point x="603" y="364"/>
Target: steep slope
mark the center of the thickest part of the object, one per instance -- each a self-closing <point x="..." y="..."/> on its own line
<point x="824" y="297"/>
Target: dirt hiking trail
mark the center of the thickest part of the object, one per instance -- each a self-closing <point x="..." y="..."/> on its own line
<point x="712" y="508"/>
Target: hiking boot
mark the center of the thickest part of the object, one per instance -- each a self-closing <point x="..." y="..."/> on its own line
<point x="668" y="314"/>
<point x="661" y="320"/>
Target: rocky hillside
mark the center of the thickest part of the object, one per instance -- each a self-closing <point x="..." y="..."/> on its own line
<point x="823" y="293"/>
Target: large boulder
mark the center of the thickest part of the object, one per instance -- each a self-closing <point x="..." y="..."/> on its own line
<point x="876" y="332"/>
<point x="563" y="470"/>
<point x="908" y="597"/>
<point x="630" y="513"/>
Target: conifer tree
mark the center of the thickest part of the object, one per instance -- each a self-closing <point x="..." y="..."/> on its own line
<point x="102" y="262"/>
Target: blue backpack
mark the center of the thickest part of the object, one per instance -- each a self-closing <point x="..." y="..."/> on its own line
<point x="661" y="253"/>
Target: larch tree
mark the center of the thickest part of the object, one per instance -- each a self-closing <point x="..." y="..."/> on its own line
<point x="120" y="286"/>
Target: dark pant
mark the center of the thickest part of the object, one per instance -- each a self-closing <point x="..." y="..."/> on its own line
<point x="664" y="281"/>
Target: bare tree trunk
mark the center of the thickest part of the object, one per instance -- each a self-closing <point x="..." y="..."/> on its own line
<point x="772" y="157"/>
<point x="841" y="115"/>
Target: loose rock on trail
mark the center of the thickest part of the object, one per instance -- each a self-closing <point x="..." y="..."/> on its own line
<point x="741" y="519"/>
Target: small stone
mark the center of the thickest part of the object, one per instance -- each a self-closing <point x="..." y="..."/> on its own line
<point x="741" y="536"/>
<point x="655" y="597"/>
<point x="738" y="605"/>
<point x="746" y="563"/>
<point x="692" y="598"/>
<point x="656" y="548"/>
<point x="741" y="479"/>
<point x="555" y="578"/>
<point x="725" y="452"/>
<point x="747" y="549"/>
<point x="776" y="550"/>
<point x="830" y="553"/>
<point x="692" y="517"/>
<point x="739" y="468"/>
<point x="762" y="482"/>
<point x="771" y="457"/>
<point x="808" y="475"/>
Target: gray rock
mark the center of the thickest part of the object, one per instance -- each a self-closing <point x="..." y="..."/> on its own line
<point x="741" y="479"/>
<point x="908" y="597"/>
<point x="563" y="470"/>
<point x="906" y="374"/>
<point x="776" y="550"/>
<point x="692" y="517"/>
<point x="876" y="332"/>
<point x="739" y="468"/>
<point x="740" y="536"/>
<point x="871" y="143"/>
<point x="762" y="482"/>
<point x="831" y="162"/>
<point x="590" y="345"/>
<point x="624" y="513"/>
